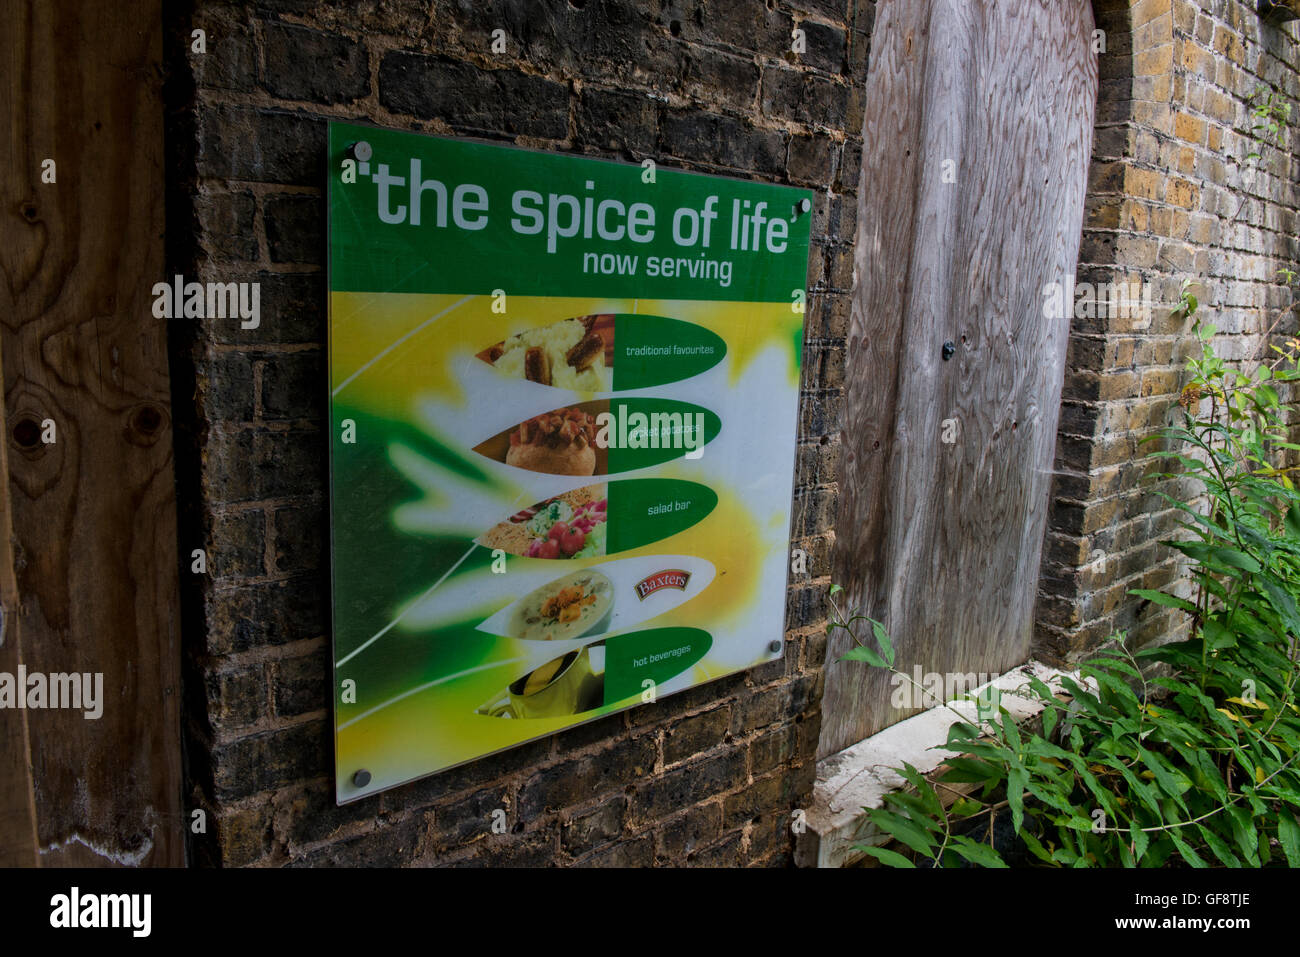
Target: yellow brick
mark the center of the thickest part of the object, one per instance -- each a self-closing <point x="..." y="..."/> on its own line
<point x="1189" y="128"/>
<point x="1141" y="251"/>
<point x="1105" y="215"/>
<point x="1196" y="60"/>
<point x="1152" y="34"/>
<point x="1229" y="45"/>
<point x="1154" y="62"/>
<point x="1220" y="106"/>
<point x="1180" y="89"/>
<point x="1183" y="193"/>
<point x="1187" y="160"/>
<point x="1143" y="183"/>
<point x="1136" y="216"/>
<point x="1156" y="116"/>
<point x="1161" y="218"/>
<point x="1214" y="137"/>
<point x="1144" y="11"/>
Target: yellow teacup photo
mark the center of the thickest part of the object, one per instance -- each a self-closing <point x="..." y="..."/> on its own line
<point x="562" y="686"/>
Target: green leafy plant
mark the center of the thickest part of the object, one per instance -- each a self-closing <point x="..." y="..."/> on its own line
<point x="1198" y="763"/>
<point x="1269" y="118"/>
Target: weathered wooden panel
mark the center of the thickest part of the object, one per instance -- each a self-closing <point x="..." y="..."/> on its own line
<point x="942" y="541"/>
<point x="17" y="802"/>
<point x="93" y="513"/>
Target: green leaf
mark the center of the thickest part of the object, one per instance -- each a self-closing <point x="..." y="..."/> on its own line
<point x="1049" y="720"/>
<point x="1288" y="835"/>
<point x="903" y="830"/>
<point x="1139" y="839"/>
<point x="1244" y="833"/>
<point x="864" y="654"/>
<point x="981" y="855"/>
<point x="1218" y="847"/>
<point x="1288" y="795"/>
<point x="1160" y="598"/>
<point x="882" y="637"/>
<point x="1170" y="781"/>
<point x="1050" y="797"/>
<point x="1281" y="601"/>
<point x="962" y="736"/>
<point x="1085" y="699"/>
<point x="1078" y="823"/>
<point x="1189" y="855"/>
<point x="1035" y="847"/>
<point x="1293" y="521"/>
<point x="836" y="589"/>
<point x="1234" y="558"/>
<point x="971" y="771"/>
<point x="1040" y="689"/>
<point x="1217" y="636"/>
<point x="1144" y="793"/>
<point x="1016" y="781"/>
<point x="915" y="810"/>
<point x="885" y="855"/>
<point x="925" y="795"/>
<point x="1012" y="736"/>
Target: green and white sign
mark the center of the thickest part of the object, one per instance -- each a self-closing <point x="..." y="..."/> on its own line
<point x="563" y="406"/>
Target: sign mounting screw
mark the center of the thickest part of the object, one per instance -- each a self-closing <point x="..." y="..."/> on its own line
<point x="774" y="647"/>
<point x="360" y="151"/>
<point x="361" y="778"/>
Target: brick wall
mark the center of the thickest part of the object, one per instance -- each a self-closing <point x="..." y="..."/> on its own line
<point x="1166" y="203"/>
<point x="709" y="776"/>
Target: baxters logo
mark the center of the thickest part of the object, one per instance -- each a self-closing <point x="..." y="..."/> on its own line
<point x="668" y="578"/>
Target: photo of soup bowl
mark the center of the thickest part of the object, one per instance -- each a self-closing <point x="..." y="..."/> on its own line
<point x="575" y="605"/>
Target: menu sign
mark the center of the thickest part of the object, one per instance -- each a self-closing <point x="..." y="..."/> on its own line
<point x="563" y="407"/>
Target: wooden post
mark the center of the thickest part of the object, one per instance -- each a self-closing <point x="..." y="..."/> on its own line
<point x="978" y="133"/>
<point x="17" y="802"/>
<point x="88" y="428"/>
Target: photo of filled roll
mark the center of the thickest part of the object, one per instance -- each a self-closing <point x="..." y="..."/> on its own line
<point x="559" y="442"/>
<point x="569" y="354"/>
<point x="571" y="525"/>
<point x="571" y="606"/>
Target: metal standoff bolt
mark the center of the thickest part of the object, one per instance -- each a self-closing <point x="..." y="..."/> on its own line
<point x="362" y="777"/>
<point x="803" y="206"/>
<point x="361" y="151"/>
<point x="949" y="350"/>
<point x="774" y="647"/>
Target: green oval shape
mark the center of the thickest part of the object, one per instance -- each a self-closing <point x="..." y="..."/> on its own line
<point x="641" y="432"/>
<point x="642" y="511"/>
<point x="654" y="350"/>
<point x="658" y="654"/>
